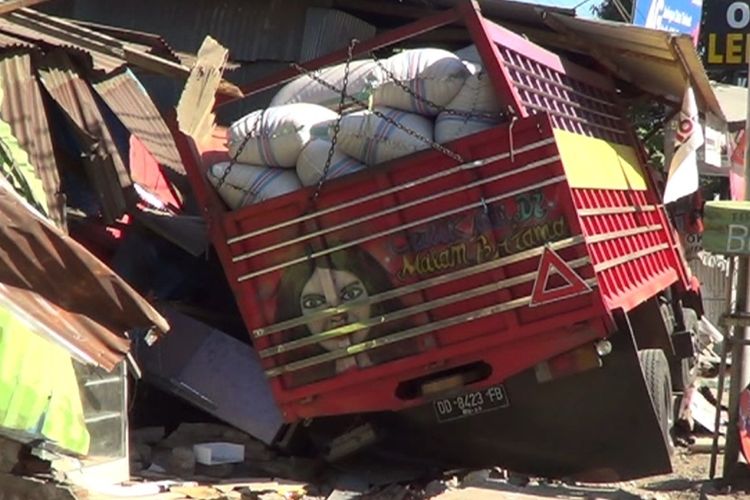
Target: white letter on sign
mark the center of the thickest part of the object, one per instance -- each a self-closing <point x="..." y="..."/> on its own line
<point x="744" y="12"/>
<point x="737" y="238"/>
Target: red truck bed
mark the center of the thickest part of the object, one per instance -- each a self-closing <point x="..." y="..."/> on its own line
<point x="478" y="269"/>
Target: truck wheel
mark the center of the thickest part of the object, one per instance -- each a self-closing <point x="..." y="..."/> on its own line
<point x="659" y="384"/>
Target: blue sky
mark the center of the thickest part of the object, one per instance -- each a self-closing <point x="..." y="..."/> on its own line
<point x="583" y="11"/>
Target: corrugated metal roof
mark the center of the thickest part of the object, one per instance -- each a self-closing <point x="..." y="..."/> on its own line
<point x="36" y="27"/>
<point x="511" y="10"/>
<point x="71" y="296"/>
<point x="10" y="42"/>
<point x="658" y="62"/>
<point x="105" y="167"/>
<point x="253" y="30"/>
<point x="105" y="53"/>
<point x="23" y="109"/>
<point x="147" y="42"/>
<point x="733" y="101"/>
<point x="327" y="30"/>
<point x="126" y="97"/>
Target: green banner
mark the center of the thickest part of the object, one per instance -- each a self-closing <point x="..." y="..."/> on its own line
<point x="727" y="227"/>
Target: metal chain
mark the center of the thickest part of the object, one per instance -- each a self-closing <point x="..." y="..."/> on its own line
<point x="441" y="109"/>
<point x="233" y="160"/>
<point x="434" y="145"/>
<point x="337" y="124"/>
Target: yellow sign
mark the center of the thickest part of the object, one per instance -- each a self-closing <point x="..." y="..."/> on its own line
<point x="592" y="163"/>
<point x="729" y="48"/>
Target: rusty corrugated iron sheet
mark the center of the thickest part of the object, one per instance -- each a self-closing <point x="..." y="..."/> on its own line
<point x="38" y="28"/>
<point x="104" y="166"/>
<point x="126" y="97"/>
<point x="12" y="42"/>
<point x="23" y="109"/>
<point x="147" y="42"/>
<point x="253" y="30"/>
<point x="67" y="293"/>
<point x="105" y="53"/>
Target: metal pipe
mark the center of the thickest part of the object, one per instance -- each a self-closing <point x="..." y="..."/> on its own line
<point x="396" y="208"/>
<point x="740" y="375"/>
<point x="392" y="190"/>
<point x="408" y="334"/>
<point x="415" y="223"/>
<point x="722" y="374"/>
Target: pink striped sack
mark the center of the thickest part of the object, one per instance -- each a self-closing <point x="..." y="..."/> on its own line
<point x="475" y="108"/>
<point x="372" y="140"/>
<point x="278" y="134"/>
<point x="431" y="75"/>
<point x="248" y="184"/>
<point x="312" y="162"/>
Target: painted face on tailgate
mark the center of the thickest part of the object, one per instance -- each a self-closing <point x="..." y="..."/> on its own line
<point x="330" y="288"/>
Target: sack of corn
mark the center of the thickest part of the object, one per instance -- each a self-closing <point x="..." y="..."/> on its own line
<point x="277" y="134"/>
<point x="312" y="161"/>
<point x="371" y="139"/>
<point x="432" y="76"/>
<point x="247" y="184"/>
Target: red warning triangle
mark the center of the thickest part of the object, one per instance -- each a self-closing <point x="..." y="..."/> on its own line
<point x="549" y="262"/>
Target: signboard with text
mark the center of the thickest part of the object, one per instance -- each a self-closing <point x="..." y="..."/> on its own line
<point x="679" y="16"/>
<point x="725" y="32"/>
<point x="727" y="227"/>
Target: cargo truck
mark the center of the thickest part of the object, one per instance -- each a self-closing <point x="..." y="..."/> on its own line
<point x="516" y="298"/>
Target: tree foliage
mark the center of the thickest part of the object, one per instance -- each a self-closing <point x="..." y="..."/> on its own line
<point x="607" y="10"/>
<point x="647" y="117"/>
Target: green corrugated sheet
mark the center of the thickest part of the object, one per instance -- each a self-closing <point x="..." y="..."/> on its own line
<point x="16" y="167"/>
<point x="39" y="393"/>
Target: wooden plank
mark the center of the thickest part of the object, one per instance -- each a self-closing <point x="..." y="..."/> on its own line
<point x="194" y="114"/>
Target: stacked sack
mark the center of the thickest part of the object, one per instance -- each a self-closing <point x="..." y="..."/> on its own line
<point x="286" y="146"/>
<point x="474" y="108"/>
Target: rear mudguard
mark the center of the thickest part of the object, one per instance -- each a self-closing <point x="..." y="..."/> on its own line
<point x="595" y="426"/>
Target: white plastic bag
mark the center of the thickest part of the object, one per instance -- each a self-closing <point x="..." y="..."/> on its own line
<point x="434" y="75"/>
<point x="363" y="77"/>
<point x="248" y="184"/>
<point x="312" y="160"/>
<point x="278" y="134"/>
<point x="372" y="140"/>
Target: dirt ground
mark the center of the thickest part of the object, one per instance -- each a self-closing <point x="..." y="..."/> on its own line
<point x="689" y="480"/>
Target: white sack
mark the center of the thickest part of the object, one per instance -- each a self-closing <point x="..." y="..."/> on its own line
<point x="470" y="54"/>
<point x="278" y="134"/>
<point x="248" y="184"/>
<point x="372" y="140"/>
<point x="312" y="161"/>
<point x="449" y="126"/>
<point x="363" y="76"/>
<point x="477" y="98"/>
<point x="435" y="75"/>
<point x="477" y="95"/>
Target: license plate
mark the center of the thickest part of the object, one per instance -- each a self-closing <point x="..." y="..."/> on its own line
<point x="471" y="403"/>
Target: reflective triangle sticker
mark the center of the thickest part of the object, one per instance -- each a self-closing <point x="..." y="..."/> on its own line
<point x="550" y="262"/>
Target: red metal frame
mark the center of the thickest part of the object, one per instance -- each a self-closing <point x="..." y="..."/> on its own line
<point x="508" y="339"/>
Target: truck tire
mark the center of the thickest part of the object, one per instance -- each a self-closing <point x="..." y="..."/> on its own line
<point x="682" y="370"/>
<point x="659" y="384"/>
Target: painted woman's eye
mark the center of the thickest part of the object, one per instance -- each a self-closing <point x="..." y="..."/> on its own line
<point x="313" y="301"/>
<point x="351" y="292"/>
